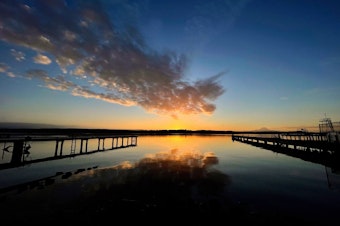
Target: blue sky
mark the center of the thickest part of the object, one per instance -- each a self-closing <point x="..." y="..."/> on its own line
<point x="224" y="65"/>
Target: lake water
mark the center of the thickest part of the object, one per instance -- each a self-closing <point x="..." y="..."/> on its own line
<point x="259" y="180"/>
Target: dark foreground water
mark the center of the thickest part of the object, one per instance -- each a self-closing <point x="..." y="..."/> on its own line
<point x="166" y="180"/>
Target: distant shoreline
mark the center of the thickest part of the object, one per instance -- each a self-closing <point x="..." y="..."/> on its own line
<point x="72" y="131"/>
<point x="76" y="132"/>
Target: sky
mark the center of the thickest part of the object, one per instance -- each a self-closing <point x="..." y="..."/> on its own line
<point x="167" y="64"/>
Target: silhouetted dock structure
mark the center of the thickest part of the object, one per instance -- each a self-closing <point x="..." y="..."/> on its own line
<point x="21" y="147"/>
<point x="321" y="147"/>
<point x="313" y="147"/>
<point x="326" y="140"/>
<point x="295" y="140"/>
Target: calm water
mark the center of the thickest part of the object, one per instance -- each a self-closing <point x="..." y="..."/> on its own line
<point x="259" y="179"/>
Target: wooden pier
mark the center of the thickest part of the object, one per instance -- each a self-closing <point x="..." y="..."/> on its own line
<point x="294" y="140"/>
<point x="314" y="147"/>
<point x="21" y="147"/>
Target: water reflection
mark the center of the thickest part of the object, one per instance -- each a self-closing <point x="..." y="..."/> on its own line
<point x="165" y="183"/>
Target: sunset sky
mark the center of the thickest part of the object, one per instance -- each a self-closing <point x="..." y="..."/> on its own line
<point x="166" y="64"/>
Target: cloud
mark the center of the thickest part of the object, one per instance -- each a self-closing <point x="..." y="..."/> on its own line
<point x="54" y="83"/>
<point x="18" y="55"/>
<point x="3" y="67"/>
<point x="11" y="74"/>
<point x="111" y="57"/>
<point x="41" y="59"/>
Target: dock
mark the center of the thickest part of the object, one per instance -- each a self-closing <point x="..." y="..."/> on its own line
<point x="19" y="147"/>
<point x="327" y="140"/>
<point x="318" y="148"/>
<point x="295" y="140"/>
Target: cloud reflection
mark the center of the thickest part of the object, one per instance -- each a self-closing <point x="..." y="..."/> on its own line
<point x="182" y="182"/>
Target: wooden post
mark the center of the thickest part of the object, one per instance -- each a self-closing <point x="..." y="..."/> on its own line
<point x="56" y="148"/>
<point x="81" y="145"/>
<point x="61" y="148"/>
<point x="86" y="145"/>
<point x="17" y="152"/>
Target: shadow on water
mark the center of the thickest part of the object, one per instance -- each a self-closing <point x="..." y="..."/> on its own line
<point x="167" y="187"/>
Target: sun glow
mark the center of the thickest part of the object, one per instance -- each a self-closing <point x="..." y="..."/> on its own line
<point x="176" y="126"/>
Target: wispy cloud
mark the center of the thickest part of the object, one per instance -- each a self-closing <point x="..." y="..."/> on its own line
<point x="3" y="67"/>
<point x="110" y="57"/>
<point x="18" y="55"/>
<point x="11" y="74"/>
<point x="41" y="59"/>
<point x="55" y="83"/>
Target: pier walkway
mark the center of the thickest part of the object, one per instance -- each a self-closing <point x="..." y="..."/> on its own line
<point x="19" y="147"/>
<point x="295" y="140"/>
<point x="314" y="147"/>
